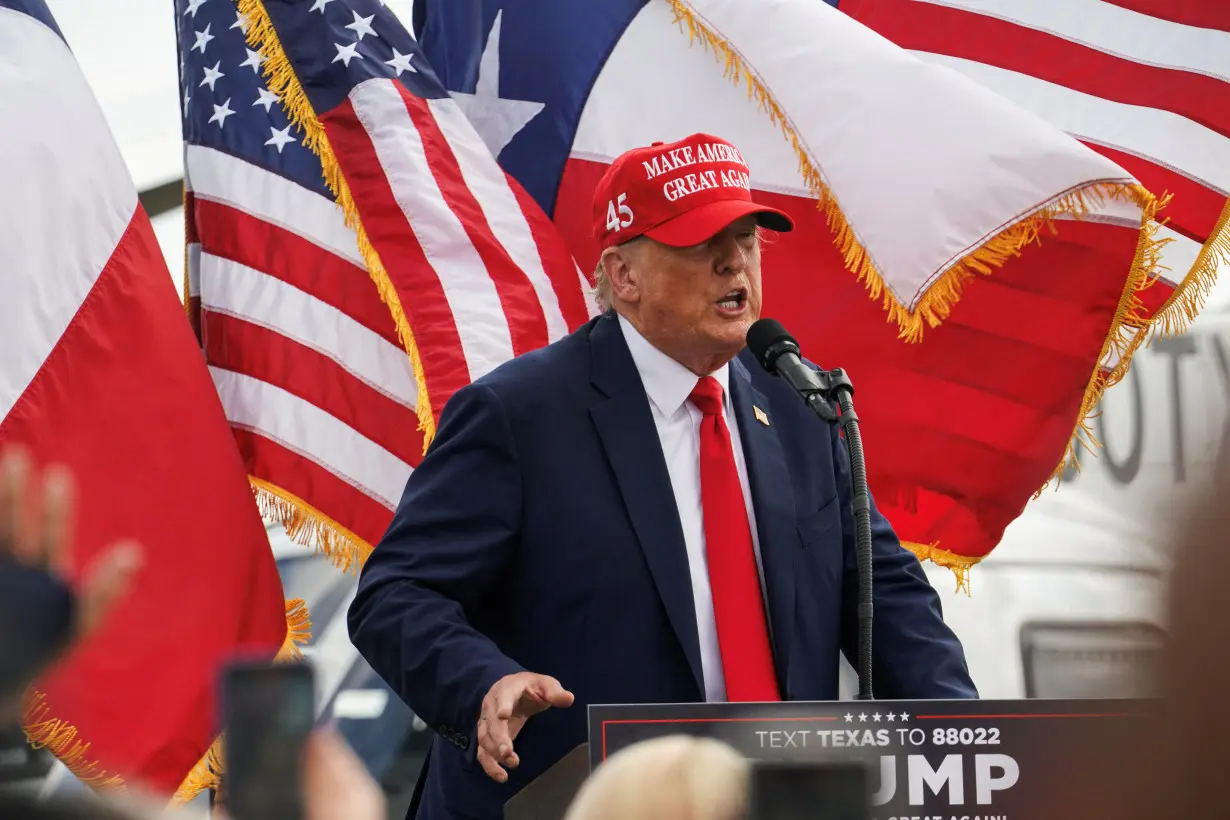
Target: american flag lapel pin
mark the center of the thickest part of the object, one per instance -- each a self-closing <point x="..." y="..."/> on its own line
<point x="760" y="415"/>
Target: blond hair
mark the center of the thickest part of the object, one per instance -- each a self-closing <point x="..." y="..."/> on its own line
<point x="677" y="777"/>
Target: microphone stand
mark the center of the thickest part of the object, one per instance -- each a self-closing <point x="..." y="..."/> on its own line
<point x="826" y="386"/>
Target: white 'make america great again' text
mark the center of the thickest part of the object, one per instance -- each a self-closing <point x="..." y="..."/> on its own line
<point x="684" y="156"/>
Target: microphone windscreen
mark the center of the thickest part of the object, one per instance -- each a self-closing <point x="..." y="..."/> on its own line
<point x="763" y="335"/>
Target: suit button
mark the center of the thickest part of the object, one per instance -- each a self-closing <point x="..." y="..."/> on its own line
<point x="463" y="742"/>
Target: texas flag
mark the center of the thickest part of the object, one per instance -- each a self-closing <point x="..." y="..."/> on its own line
<point x="981" y="275"/>
<point x="99" y="371"/>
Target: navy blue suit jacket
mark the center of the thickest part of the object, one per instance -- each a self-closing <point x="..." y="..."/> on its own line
<point x="540" y="533"/>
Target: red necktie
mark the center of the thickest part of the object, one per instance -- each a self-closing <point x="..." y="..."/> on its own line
<point x="738" y="608"/>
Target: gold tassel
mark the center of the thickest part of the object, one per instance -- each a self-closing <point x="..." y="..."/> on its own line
<point x="306" y="525"/>
<point x="207" y="773"/>
<point x="1176" y="315"/>
<point x="63" y="740"/>
<point x="1129" y="331"/>
<point x="959" y="564"/>
<point x="281" y="80"/>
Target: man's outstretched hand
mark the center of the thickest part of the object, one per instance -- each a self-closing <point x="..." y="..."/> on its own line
<point x="510" y="702"/>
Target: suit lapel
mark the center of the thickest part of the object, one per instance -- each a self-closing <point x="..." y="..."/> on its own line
<point x="629" y="436"/>
<point x="773" y="500"/>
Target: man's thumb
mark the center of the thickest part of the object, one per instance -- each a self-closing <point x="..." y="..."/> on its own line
<point x="555" y="694"/>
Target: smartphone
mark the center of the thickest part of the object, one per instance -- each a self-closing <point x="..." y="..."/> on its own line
<point x="268" y="711"/>
<point x="804" y="791"/>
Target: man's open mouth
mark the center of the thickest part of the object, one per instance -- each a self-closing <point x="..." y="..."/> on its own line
<point x="733" y="300"/>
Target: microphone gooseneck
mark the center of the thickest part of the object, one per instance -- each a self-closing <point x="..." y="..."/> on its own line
<point x="778" y="353"/>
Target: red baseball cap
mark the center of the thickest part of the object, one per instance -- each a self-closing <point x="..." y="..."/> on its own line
<point x="677" y="193"/>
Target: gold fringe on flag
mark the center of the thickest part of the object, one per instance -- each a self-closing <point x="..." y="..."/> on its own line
<point x="1130" y="327"/>
<point x="282" y="81"/>
<point x="306" y="525"/>
<point x="63" y="740"/>
<point x="959" y="564"/>
<point x="1176" y="315"/>
<point x="207" y="773"/>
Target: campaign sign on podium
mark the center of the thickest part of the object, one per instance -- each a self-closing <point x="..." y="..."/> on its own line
<point x="956" y="760"/>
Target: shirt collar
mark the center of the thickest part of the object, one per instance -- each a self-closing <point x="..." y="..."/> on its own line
<point x="667" y="382"/>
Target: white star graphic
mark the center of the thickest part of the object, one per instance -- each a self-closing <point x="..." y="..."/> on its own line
<point x="267" y="99"/>
<point x="362" y="26"/>
<point x="904" y="716"/>
<point x="202" y="39"/>
<point x="862" y="718"/>
<point x="187" y="97"/>
<point x="212" y="75"/>
<point x="254" y="59"/>
<point x="891" y="717"/>
<point x="347" y="53"/>
<point x="849" y="718"/>
<point x="240" y="23"/>
<point x="496" y="120"/>
<point x="280" y="138"/>
<point x="319" y="5"/>
<point x="193" y="5"/>
<point x="401" y="62"/>
<point x="221" y="112"/>
<point x="876" y="717"/>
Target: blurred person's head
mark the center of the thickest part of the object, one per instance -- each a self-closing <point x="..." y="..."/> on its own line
<point x="669" y="778"/>
<point x="1184" y="762"/>
<point x="1174" y="767"/>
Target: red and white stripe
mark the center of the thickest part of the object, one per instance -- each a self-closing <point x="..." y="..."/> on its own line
<point x="319" y="391"/>
<point x="317" y="388"/>
<point x="482" y="277"/>
<point x="100" y="372"/>
<point x="1146" y="83"/>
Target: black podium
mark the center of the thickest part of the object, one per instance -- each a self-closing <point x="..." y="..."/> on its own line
<point x="1024" y="759"/>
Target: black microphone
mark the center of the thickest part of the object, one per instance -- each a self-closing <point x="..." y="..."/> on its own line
<point x="779" y="354"/>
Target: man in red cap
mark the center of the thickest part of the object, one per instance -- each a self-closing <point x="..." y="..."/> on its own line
<point x="638" y="513"/>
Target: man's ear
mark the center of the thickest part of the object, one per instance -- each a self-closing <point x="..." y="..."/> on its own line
<point x="619" y="268"/>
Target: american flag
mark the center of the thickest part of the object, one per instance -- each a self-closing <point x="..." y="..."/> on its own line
<point x="355" y="254"/>
<point x="1143" y="82"/>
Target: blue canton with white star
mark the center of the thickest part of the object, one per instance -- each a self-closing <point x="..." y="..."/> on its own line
<point x="332" y="45"/>
<point x="549" y="53"/>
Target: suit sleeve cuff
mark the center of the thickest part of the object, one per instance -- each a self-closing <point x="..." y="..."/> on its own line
<point x="465" y="735"/>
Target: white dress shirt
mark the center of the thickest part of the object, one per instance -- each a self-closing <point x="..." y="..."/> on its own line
<point x="668" y="385"/>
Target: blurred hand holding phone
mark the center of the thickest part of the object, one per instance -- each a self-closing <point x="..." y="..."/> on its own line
<point x="279" y="764"/>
